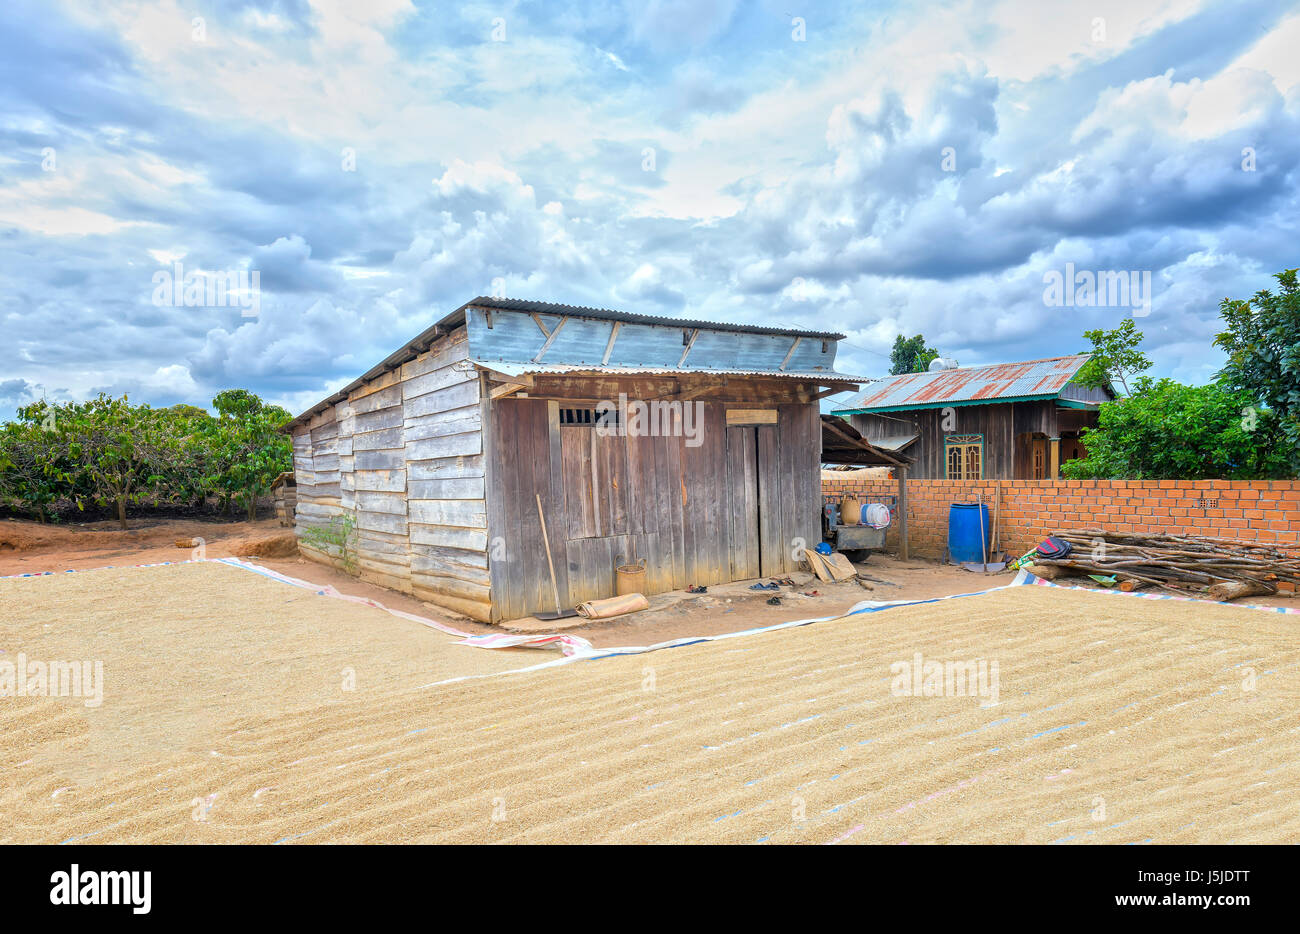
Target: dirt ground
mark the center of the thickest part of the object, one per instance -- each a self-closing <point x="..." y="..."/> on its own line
<point x="27" y="547"/>
<point x="1107" y="719"/>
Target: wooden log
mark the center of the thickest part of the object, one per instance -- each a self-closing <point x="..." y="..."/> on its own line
<point x="1049" y="572"/>
<point x="1231" y="590"/>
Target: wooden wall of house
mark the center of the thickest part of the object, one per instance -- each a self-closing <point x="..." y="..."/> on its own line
<point x="404" y="456"/>
<point x="1000" y="424"/>
<point x="689" y="511"/>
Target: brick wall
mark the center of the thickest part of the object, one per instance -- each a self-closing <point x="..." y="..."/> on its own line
<point x="1264" y="511"/>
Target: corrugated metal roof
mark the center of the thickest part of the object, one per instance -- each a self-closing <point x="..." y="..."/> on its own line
<point x="894" y="443"/>
<point x="528" y="369"/>
<point x="844" y="444"/>
<point x="999" y="382"/>
<point x="457" y="317"/>
<point x="607" y="314"/>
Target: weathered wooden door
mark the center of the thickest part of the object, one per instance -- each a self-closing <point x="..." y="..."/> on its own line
<point x="742" y="500"/>
<point x="770" y="542"/>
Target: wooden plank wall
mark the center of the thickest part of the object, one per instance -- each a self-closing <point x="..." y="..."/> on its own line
<point x="443" y="432"/>
<point x="999" y="423"/>
<point x="318" y="475"/>
<point x="655" y="497"/>
<point x="379" y="483"/>
<point x="404" y="455"/>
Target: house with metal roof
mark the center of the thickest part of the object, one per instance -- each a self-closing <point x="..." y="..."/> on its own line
<point x="508" y="458"/>
<point x="1006" y="420"/>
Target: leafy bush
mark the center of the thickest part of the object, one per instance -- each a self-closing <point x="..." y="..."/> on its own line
<point x="336" y="539"/>
<point x="1170" y="431"/>
<point x="1262" y="341"/>
<point x="116" y="454"/>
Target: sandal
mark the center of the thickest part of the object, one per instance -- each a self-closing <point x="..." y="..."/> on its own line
<point x="694" y="589"/>
<point x="761" y="586"/>
<point x="773" y="601"/>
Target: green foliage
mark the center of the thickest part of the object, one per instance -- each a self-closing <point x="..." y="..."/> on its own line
<point x="1115" y="358"/>
<point x="336" y="538"/>
<point x="1170" y="431"/>
<point x="111" y="452"/>
<point x="910" y="355"/>
<point x="112" y="449"/>
<point x="245" y="448"/>
<point x="1262" y="341"/>
<point x="33" y="460"/>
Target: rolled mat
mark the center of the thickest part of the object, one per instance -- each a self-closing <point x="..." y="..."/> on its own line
<point x="613" y="606"/>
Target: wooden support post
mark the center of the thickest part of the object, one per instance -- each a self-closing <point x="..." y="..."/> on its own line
<point x="903" y="551"/>
<point x="695" y="332"/>
<point x="509" y="389"/>
<point x="609" y="348"/>
<point x="830" y="391"/>
<point x="550" y="338"/>
<point x="789" y="353"/>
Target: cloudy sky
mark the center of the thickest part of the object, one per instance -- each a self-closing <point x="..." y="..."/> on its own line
<point x="866" y="167"/>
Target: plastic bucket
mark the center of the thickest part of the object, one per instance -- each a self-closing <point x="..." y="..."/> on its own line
<point x="965" y="543"/>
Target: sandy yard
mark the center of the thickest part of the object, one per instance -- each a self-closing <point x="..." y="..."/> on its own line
<point x="1115" y="719"/>
<point x="186" y="647"/>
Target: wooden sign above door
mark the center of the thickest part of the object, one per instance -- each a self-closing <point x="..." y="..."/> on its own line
<point x="751" y="416"/>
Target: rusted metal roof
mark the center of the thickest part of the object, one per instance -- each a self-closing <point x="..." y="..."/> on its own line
<point x="999" y="382"/>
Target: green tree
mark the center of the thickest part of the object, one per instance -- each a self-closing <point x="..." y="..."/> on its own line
<point x="910" y="355"/>
<point x="1116" y="358"/>
<point x="1168" y="431"/>
<point x="33" y="460"/>
<point x="184" y="468"/>
<point x="246" y="448"/>
<point x="115" y="447"/>
<point x="1262" y="341"/>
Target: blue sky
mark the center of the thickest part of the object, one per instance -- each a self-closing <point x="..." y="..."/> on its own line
<point x="866" y="167"/>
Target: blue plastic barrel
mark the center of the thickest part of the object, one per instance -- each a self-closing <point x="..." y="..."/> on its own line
<point x="964" y="542"/>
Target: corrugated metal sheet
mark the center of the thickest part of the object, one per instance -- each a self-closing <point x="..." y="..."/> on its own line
<point x="1032" y="379"/>
<point x="607" y="314"/>
<point x="529" y="369"/>
<point x="521" y="337"/>
<point x="716" y="331"/>
<point x="894" y="443"/>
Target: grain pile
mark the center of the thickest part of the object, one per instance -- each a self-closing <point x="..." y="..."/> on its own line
<point x="1120" y="720"/>
<point x="187" y="647"/>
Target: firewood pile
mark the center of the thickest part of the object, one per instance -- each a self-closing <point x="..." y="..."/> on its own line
<point x="1218" y="568"/>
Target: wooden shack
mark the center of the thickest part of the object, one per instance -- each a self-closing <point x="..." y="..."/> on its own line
<point x="692" y="445"/>
<point x="1010" y="421"/>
